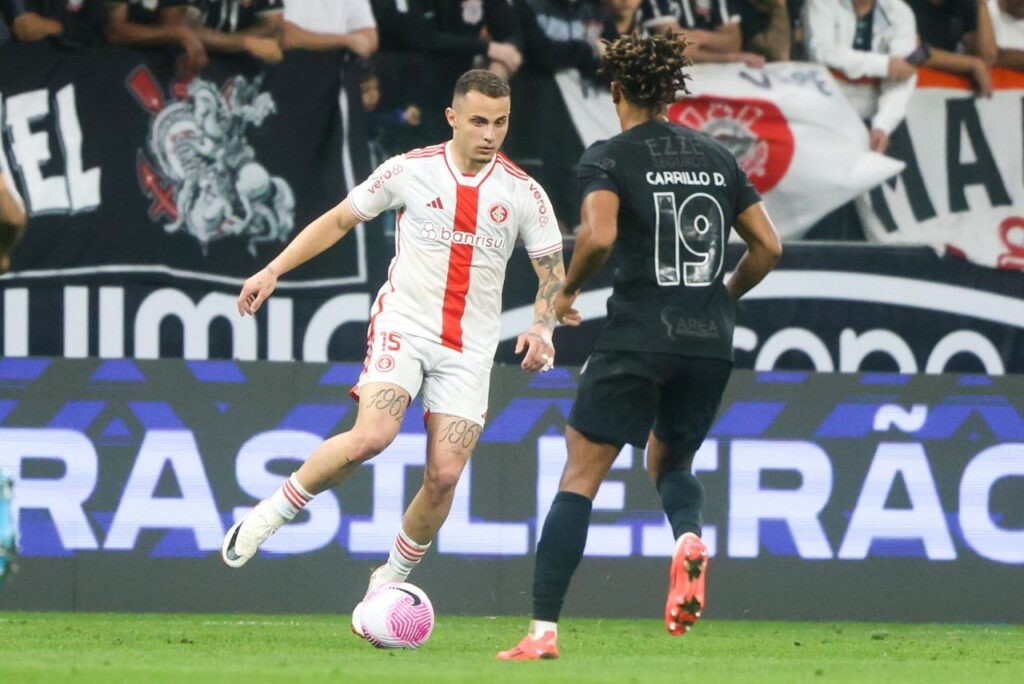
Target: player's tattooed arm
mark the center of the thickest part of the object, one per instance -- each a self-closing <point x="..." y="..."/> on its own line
<point x="390" y="400"/>
<point x="536" y="342"/>
<point x="550" y="274"/>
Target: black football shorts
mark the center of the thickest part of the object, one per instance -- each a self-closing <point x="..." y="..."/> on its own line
<point x="623" y="395"/>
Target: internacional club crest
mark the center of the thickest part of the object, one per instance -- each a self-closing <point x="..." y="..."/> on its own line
<point x="498" y="213"/>
<point x="755" y="131"/>
<point x="198" y="167"/>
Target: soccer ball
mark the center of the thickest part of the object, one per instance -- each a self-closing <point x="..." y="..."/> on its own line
<point x="397" y="615"/>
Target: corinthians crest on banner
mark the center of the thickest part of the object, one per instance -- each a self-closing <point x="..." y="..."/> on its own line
<point x="198" y="168"/>
<point x="789" y="127"/>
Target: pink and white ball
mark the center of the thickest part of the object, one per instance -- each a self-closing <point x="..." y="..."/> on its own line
<point x="397" y="615"/>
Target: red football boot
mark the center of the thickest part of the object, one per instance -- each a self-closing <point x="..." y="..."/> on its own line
<point x="544" y="647"/>
<point x="686" y="597"/>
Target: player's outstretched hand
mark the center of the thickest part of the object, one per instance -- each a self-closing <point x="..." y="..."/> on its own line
<point x="255" y="291"/>
<point x="562" y="304"/>
<point x="540" y="353"/>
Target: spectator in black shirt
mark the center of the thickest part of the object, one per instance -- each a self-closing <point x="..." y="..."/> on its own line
<point x="711" y="28"/>
<point x="959" y="37"/>
<point x="563" y="34"/>
<point x="470" y="34"/>
<point x="150" y="23"/>
<point x="766" y="28"/>
<point x="250" y="26"/>
<point x="71" y="23"/>
<point x="427" y="44"/>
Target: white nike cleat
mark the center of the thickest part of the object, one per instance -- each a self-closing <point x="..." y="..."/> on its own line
<point x="247" y="535"/>
<point x="375" y="581"/>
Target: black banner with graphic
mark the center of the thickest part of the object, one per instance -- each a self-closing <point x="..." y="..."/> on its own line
<point x="126" y="166"/>
<point x="151" y="198"/>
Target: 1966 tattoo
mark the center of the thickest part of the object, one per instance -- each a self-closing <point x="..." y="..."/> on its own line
<point x="461" y="432"/>
<point x="391" y="401"/>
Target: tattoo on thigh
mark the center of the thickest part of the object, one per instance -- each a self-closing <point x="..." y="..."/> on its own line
<point x="391" y="401"/>
<point x="463" y="432"/>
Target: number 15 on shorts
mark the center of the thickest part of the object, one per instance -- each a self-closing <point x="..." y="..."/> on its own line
<point x="390" y="341"/>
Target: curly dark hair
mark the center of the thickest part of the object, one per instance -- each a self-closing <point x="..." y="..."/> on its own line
<point x="649" y="69"/>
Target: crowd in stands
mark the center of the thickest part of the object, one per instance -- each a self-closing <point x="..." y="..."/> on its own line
<point x="416" y="48"/>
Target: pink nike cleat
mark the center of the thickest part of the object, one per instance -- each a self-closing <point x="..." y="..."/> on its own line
<point x="686" y="597"/>
<point x="543" y="648"/>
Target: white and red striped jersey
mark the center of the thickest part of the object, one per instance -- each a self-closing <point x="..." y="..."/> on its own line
<point x="454" y="235"/>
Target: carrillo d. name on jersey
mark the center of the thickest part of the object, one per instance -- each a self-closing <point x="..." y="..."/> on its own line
<point x="679" y="194"/>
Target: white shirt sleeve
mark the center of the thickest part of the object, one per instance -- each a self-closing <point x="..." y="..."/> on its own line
<point x="358" y="15"/>
<point x="1008" y="36"/>
<point x="895" y="95"/>
<point x="381" y="191"/>
<point x="537" y="224"/>
<point x="330" y="16"/>
<point x="826" y="45"/>
<point x="300" y="13"/>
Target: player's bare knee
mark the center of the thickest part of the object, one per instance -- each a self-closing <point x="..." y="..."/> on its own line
<point x="582" y="484"/>
<point x="369" y="443"/>
<point x="440" y="480"/>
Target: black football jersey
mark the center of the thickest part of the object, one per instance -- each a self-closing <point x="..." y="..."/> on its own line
<point x="679" y="194"/>
<point x="147" y="11"/>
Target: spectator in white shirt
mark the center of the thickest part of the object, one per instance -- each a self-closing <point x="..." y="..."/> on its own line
<point x="869" y="45"/>
<point x="1008" y="23"/>
<point x="330" y="25"/>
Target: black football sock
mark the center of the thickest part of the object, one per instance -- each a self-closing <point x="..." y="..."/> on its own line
<point x="559" y="552"/>
<point x="682" y="497"/>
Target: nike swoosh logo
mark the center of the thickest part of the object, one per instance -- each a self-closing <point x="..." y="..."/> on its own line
<point x="416" y="600"/>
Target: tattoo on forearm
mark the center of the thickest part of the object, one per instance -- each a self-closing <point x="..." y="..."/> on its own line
<point x="391" y="401"/>
<point x="550" y="283"/>
<point x="461" y="432"/>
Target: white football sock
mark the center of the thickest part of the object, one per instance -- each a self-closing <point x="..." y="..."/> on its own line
<point x="405" y="555"/>
<point x="290" y="498"/>
<point x="539" y="628"/>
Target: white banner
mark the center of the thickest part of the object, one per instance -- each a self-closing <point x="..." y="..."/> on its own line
<point x="962" y="187"/>
<point x="789" y="125"/>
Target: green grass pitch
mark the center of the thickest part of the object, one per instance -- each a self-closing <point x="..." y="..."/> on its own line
<point x="110" y="648"/>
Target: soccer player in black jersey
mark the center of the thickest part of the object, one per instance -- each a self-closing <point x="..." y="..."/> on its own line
<point x="661" y="199"/>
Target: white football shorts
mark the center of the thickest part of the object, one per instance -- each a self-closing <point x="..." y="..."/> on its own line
<point x="453" y="383"/>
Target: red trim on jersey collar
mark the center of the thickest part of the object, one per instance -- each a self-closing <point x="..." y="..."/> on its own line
<point x="512" y="167"/>
<point x="483" y="174"/>
<point x="423" y="152"/>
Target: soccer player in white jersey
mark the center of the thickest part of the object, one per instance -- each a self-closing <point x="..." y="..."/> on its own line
<point x="435" y="323"/>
